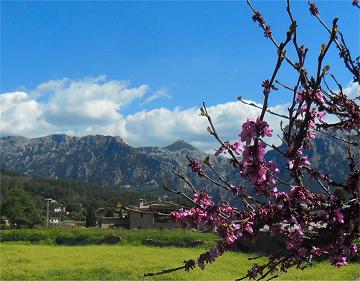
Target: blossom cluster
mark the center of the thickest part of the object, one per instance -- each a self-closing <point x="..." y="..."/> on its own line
<point x="313" y="225"/>
<point x="253" y="165"/>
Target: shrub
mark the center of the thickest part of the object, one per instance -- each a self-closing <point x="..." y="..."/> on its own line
<point x="174" y="243"/>
<point x="23" y="235"/>
<point x="111" y="239"/>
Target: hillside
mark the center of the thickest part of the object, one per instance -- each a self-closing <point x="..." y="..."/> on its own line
<point x="75" y="195"/>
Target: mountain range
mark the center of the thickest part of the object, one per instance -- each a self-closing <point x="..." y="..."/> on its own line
<point x="109" y="161"/>
<point x="104" y="160"/>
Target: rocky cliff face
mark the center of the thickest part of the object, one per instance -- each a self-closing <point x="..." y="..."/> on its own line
<point x="104" y="160"/>
<point x="328" y="155"/>
<point x="109" y="161"/>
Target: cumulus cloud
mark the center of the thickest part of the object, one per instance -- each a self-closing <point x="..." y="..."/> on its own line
<point x="21" y="115"/>
<point x="88" y="101"/>
<point x="77" y="107"/>
<point x="94" y="106"/>
<point x="162" y="126"/>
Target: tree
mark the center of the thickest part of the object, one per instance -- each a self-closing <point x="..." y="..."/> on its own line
<point x="109" y="212"/>
<point x="90" y="217"/>
<point x="20" y="210"/>
<point x="322" y="225"/>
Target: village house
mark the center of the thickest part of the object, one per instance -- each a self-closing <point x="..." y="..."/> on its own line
<point x="146" y="215"/>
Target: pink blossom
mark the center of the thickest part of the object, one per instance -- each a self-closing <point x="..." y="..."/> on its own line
<point x="311" y="125"/>
<point x="340" y="261"/>
<point x="311" y="134"/>
<point x="316" y="251"/>
<point x="220" y="150"/>
<point x="339" y="216"/>
<point x="305" y="161"/>
<point x="319" y="96"/>
<point x="231" y="239"/>
<point x="321" y="116"/>
<point x="203" y="199"/>
<point x="266" y="129"/>
<point x="237" y="148"/>
<point x="295" y="239"/>
<point x="248" y="131"/>
<point x="227" y="209"/>
<point x="254" y="129"/>
<point x="248" y="227"/>
<point x="196" y="167"/>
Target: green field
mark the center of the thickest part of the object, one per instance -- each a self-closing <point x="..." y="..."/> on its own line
<point x="129" y="262"/>
<point x="42" y="254"/>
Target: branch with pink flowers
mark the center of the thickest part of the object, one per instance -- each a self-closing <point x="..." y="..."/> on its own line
<point x="314" y="225"/>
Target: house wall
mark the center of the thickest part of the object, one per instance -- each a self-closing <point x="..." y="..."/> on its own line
<point x="141" y="220"/>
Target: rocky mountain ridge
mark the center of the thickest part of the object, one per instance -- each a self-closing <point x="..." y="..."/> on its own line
<point x="105" y="160"/>
<point x="109" y="161"/>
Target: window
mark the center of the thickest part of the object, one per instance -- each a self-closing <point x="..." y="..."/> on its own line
<point x="141" y="215"/>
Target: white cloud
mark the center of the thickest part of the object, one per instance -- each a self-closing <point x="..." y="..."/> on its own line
<point x="77" y="107"/>
<point x="162" y="93"/>
<point x="88" y="101"/>
<point x="162" y="126"/>
<point x="94" y="106"/>
<point x="21" y="115"/>
<point x="352" y="90"/>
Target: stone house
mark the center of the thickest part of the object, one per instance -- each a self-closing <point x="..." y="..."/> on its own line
<point x="151" y="215"/>
<point x="146" y="215"/>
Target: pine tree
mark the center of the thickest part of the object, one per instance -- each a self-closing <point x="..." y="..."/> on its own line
<point x="90" y="217"/>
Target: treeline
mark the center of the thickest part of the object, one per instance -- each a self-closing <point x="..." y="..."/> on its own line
<point x="23" y="198"/>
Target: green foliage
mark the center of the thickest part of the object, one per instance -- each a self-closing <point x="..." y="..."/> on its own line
<point x="87" y="236"/>
<point x="19" y="208"/>
<point x="77" y="239"/>
<point x="31" y="235"/>
<point x="72" y="194"/>
<point x="90" y="217"/>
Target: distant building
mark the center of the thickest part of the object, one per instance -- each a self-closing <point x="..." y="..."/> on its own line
<point x="109" y="222"/>
<point x="151" y="215"/>
<point x="5" y="222"/>
<point x="54" y="220"/>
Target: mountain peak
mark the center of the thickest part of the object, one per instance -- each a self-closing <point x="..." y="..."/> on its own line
<point x="179" y="145"/>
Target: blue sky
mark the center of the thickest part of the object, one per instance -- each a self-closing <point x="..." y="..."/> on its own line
<point x="185" y="52"/>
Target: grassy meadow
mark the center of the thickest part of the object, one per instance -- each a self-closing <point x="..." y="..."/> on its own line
<point x="23" y="260"/>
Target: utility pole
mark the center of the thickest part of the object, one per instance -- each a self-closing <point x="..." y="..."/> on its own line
<point x="48" y="200"/>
